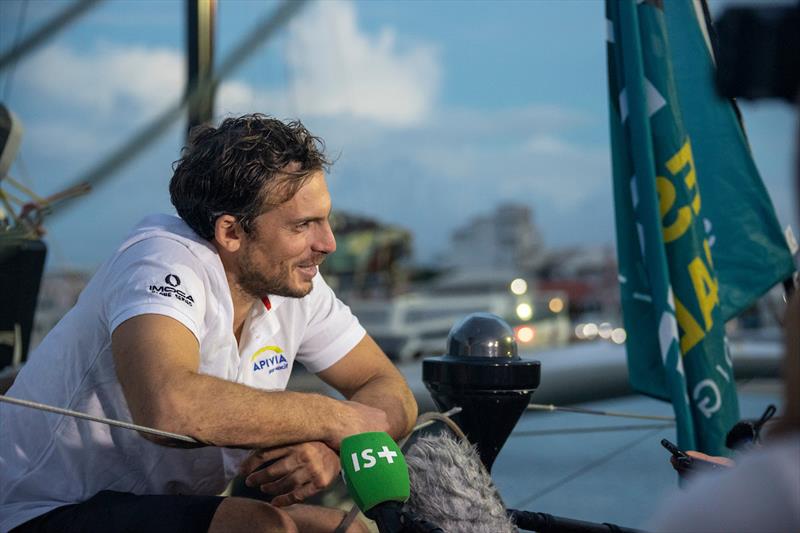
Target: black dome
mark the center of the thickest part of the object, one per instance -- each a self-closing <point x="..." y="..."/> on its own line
<point x="482" y="335"/>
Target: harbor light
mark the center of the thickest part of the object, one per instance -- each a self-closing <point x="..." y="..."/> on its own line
<point x="604" y="331"/>
<point x="556" y="305"/>
<point x="579" y="332"/>
<point x="524" y="311"/>
<point x="590" y="330"/>
<point x="519" y="286"/>
<point x="619" y="336"/>
<point x="525" y="334"/>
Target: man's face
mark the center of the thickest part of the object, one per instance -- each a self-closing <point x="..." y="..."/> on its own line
<point x="280" y="256"/>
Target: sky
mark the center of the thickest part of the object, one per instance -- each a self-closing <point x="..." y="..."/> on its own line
<point x="435" y="112"/>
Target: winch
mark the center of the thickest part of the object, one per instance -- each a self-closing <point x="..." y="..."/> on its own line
<point x="483" y="374"/>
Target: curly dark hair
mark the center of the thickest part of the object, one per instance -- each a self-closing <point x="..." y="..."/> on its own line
<point x="244" y="167"/>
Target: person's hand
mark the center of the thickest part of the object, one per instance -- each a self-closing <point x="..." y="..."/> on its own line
<point x="293" y="473"/>
<point x="700" y="462"/>
<point x="355" y="418"/>
<point x="722" y="461"/>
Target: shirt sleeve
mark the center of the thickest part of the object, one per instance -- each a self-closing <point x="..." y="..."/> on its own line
<point x="331" y="332"/>
<point x="156" y="276"/>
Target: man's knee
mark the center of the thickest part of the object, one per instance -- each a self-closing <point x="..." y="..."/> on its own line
<point x="235" y="515"/>
<point x="313" y="518"/>
<point x="358" y="527"/>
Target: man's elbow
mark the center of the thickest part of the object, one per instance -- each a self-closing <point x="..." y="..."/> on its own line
<point x="170" y="442"/>
<point x="411" y="411"/>
<point x="165" y="411"/>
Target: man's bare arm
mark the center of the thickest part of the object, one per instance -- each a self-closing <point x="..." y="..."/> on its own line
<point x="157" y="361"/>
<point x="365" y="375"/>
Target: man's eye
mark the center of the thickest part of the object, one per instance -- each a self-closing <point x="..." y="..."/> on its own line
<point x="303" y="225"/>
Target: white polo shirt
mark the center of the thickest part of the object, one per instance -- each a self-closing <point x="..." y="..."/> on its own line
<point x="49" y="460"/>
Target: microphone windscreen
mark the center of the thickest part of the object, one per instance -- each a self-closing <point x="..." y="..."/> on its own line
<point x="451" y="488"/>
<point x="374" y="469"/>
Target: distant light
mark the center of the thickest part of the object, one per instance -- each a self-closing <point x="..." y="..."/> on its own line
<point x="590" y="330"/>
<point x="579" y="331"/>
<point x="604" y="331"/>
<point x="556" y="305"/>
<point x="526" y="334"/>
<point x="619" y="336"/>
<point x="524" y="311"/>
<point x="519" y="286"/>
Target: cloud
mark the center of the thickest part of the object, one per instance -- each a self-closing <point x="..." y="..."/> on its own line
<point x="403" y="157"/>
<point x="337" y="69"/>
<point x="109" y="81"/>
<point x="548" y="145"/>
<point x="432" y="178"/>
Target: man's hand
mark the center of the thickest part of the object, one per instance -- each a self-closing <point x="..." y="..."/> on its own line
<point x="295" y="472"/>
<point x="365" y="375"/>
<point x="355" y="418"/>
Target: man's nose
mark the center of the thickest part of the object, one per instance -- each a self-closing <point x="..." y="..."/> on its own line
<point x="325" y="242"/>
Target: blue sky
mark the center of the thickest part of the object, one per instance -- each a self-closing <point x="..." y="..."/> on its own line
<point x="436" y="111"/>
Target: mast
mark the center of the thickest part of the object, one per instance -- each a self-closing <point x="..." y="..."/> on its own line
<point x="200" y="16"/>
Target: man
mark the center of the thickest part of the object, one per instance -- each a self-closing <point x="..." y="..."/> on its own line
<point x="192" y="327"/>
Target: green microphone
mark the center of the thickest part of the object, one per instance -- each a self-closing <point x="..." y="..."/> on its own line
<point x="376" y="476"/>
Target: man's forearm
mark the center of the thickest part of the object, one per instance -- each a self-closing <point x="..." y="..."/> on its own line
<point x="224" y="413"/>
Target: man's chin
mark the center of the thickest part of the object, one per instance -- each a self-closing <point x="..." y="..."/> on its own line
<point x="296" y="290"/>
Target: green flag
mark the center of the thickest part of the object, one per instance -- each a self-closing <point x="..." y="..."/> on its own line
<point x="688" y="261"/>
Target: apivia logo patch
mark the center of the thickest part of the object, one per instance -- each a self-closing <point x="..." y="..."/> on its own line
<point x="269" y="358"/>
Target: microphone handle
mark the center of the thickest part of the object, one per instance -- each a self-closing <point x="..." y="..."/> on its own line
<point x="420" y="525"/>
<point x="547" y="523"/>
<point x="388" y="517"/>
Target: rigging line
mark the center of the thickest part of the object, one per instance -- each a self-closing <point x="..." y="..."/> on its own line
<point x="23" y="10"/>
<point x="581" y="410"/>
<point x="46" y="31"/>
<point x="144" y="429"/>
<point x="102" y="420"/>
<point x="12" y="197"/>
<point x="5" y="200"/>
<point x="50" y="28"/>
<point x="593" y="429"/>
<point x="160" y="124"/>
<point x="584" y="470"/>
<point x="22" y="187"/>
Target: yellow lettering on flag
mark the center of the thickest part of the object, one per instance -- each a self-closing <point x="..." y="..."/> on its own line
<point x="666" y="199"/>
<point x="677" y="163"/>
<point x="706" y="288"/>
<point x="666" y="193"/>
<point x="692" y="333"/>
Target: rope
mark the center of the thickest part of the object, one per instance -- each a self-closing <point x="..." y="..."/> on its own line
<point x="22" y="187"/>
<point x="45" y="32"/>
<point x="594" y="429"/>
<point x="23" y="10"/>
<point x="578" y="473"/>
<point x="265" y="29"/>
<point x="5" y="199"/>
<point x="551" y="407"/>
<point x="430" y="418"/>
<point x="109" y="421"/>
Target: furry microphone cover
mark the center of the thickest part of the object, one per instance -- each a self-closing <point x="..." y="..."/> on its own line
<point x="451" y="488"/>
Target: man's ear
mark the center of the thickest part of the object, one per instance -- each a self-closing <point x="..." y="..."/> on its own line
<point x="228" y="233"/>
